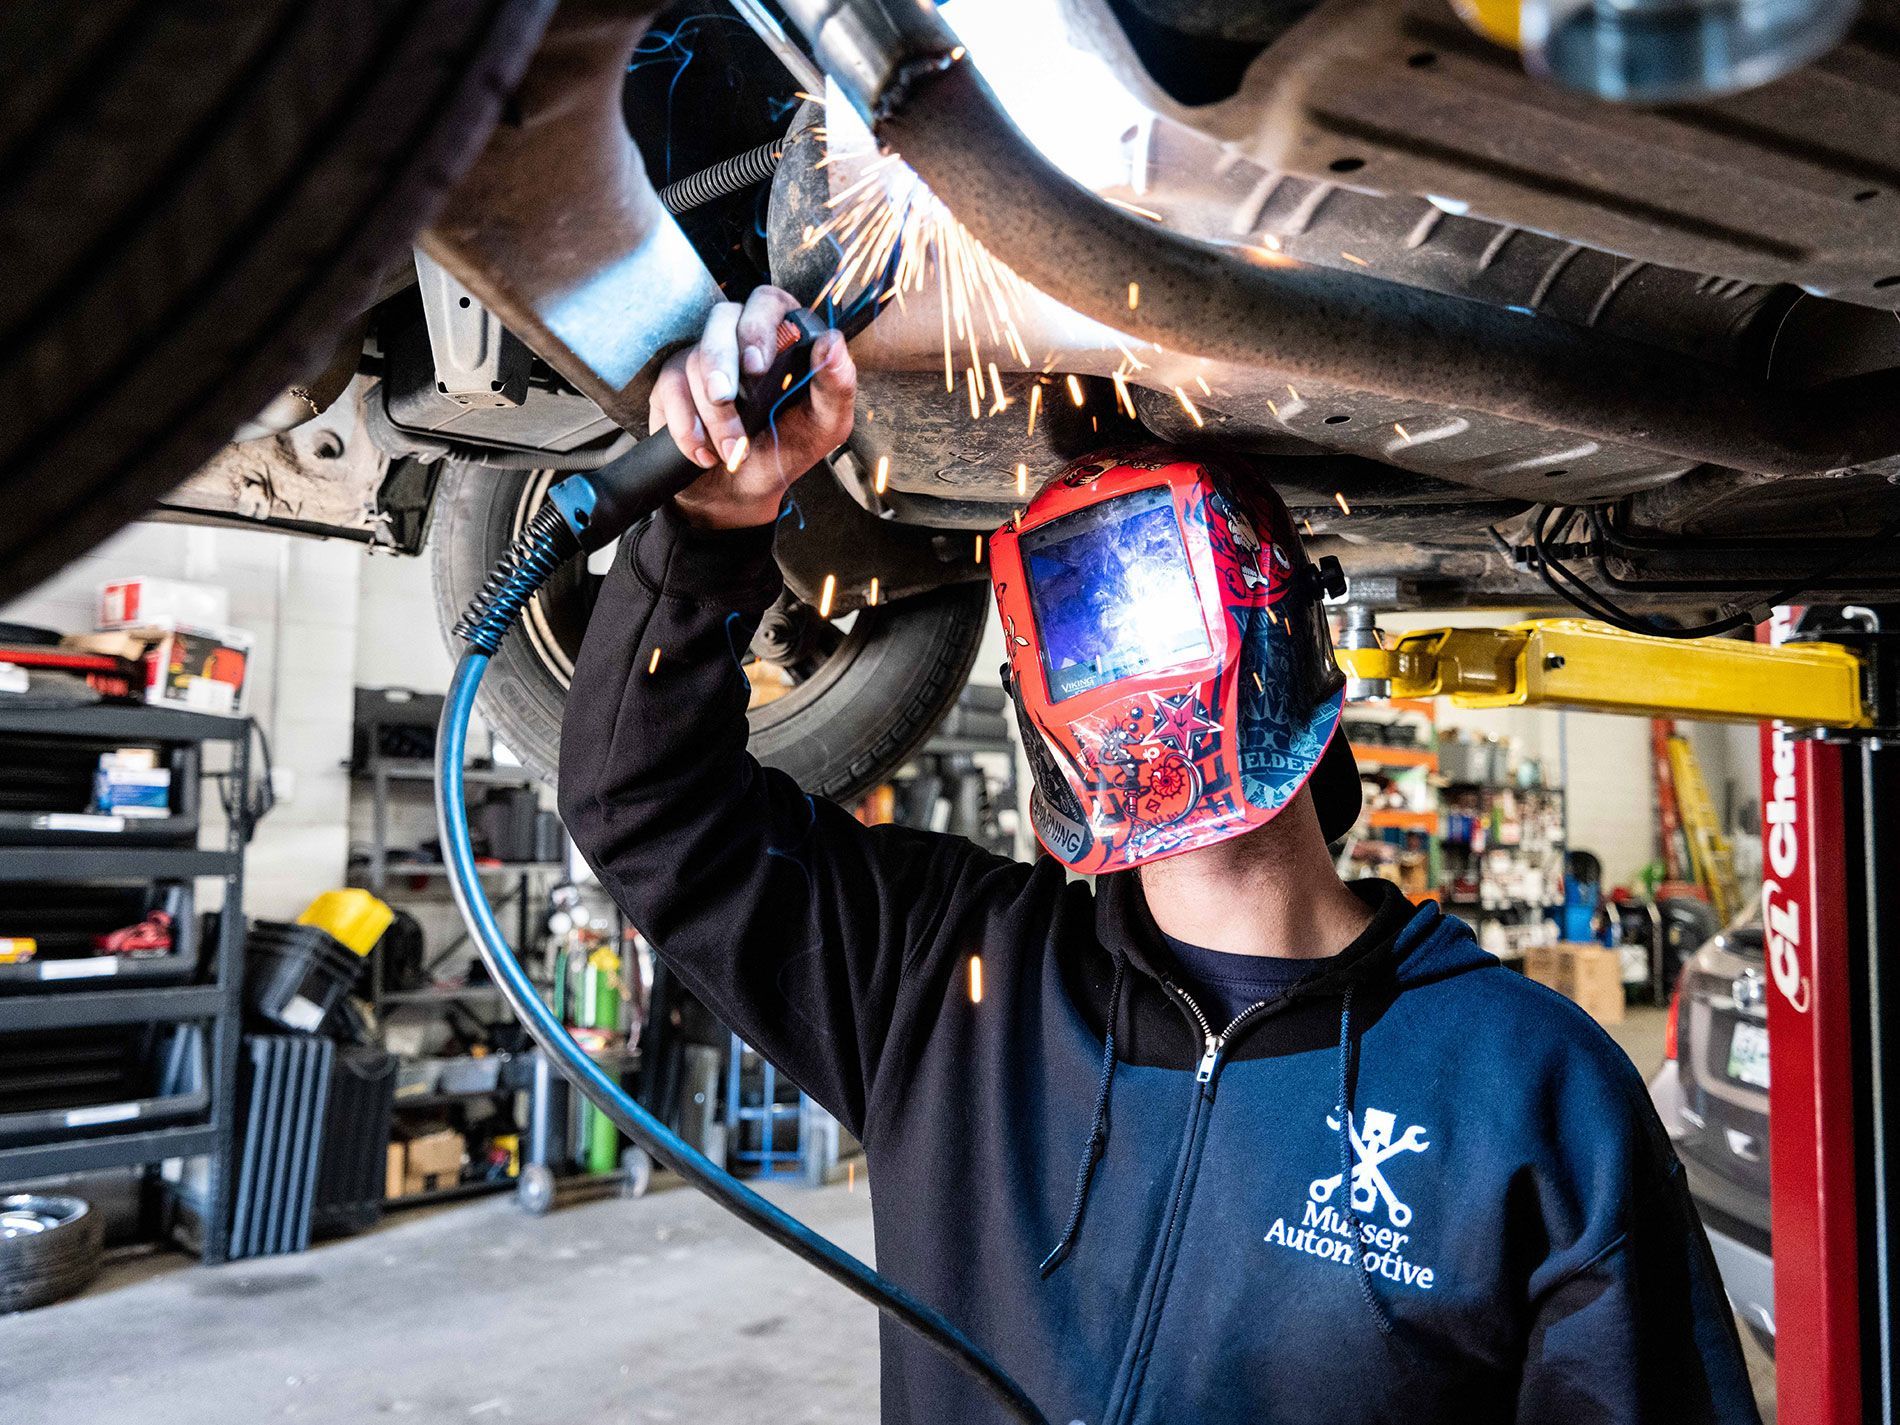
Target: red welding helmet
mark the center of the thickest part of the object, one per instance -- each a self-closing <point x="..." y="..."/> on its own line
<point x="1169" y="656"/>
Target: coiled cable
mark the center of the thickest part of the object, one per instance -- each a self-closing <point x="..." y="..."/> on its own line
<point x="523" y="568"/>
<point x="742" y="170"/>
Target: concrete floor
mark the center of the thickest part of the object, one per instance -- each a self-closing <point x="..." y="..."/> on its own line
<point x="662" y="1309"/>
<point x="656" y="1310"/>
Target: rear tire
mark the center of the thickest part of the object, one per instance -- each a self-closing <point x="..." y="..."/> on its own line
<point x="195" y="198"/>
<point x="870" y="704"/>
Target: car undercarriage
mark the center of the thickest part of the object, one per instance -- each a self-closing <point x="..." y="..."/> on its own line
<point x="1497" y="342"/>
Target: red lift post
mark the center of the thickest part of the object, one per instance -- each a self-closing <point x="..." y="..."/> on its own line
<point x="1830" y="896"/>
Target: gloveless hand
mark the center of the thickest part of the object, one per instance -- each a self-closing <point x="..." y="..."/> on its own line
<point x="693" y="400"/>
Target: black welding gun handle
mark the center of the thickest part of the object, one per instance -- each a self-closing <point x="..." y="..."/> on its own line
<point x="591" y="509"/>
<point x="601" y="505"/>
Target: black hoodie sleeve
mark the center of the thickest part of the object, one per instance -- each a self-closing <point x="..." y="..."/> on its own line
<point x="782" y="913"/>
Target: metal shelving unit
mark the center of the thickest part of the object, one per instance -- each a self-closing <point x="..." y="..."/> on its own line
<point x="381" y="873"/>
<point x="392" y="782"/>
<point x="66" y="995"/>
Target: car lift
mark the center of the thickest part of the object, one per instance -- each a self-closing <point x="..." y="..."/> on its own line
<point x="1828" y="702"/>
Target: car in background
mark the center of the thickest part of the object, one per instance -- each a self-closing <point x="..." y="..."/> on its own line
<point x="1712" y="1096"/>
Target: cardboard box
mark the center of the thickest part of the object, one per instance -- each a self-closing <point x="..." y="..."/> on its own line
<point x="432" y="1161"/>
<point x="143" y="601"/>
<point x="393" y="1163"/>
<point x="1589" y="975"/>
<point x="203" y="669"/>
<point x="123" y="787"/>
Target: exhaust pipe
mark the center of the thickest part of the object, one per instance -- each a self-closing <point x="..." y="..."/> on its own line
<point x="905" y="71"/>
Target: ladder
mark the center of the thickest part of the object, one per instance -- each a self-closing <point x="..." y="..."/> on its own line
<point x="1708" y="848"/>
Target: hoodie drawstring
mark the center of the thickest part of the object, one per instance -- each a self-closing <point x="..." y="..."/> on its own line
<point x="1097" y="1144"/>
<point x="1366" y="1290"/>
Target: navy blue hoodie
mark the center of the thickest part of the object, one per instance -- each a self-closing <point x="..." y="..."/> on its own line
<point x="1417" y="1186"/>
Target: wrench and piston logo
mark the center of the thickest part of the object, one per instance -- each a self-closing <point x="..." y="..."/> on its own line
<point x="1340" y="1218"/>
<point x="1370" y="1148"/>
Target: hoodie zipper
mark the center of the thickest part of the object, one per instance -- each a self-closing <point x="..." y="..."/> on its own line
<point x="1213" y="1046"/>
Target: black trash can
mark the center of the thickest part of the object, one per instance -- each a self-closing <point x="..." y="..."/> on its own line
<point x="295" y="974"/>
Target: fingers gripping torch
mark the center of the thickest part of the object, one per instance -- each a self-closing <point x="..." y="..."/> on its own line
<point x="583" y="513"/>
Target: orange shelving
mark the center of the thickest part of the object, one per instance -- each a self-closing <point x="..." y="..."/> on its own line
<point x="1386" y="818"/>
<point x="1374" y="755"/>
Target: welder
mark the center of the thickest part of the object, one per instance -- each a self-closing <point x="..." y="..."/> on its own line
<point x="1221" y="1137"/>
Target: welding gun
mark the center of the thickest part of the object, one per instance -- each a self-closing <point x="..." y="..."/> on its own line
<point x="589" y="510"/>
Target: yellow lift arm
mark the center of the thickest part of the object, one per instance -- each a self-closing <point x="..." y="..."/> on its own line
<point x="1591" y="667"/>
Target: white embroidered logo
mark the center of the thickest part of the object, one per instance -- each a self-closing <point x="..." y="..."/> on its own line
<point x="1325" y="1231"/>
<point x="1369" y="1150"/>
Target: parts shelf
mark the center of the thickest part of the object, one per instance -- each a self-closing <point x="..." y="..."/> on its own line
<point x="106" y="1135"/>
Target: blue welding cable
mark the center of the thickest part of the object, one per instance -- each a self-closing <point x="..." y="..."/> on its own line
<point x="665" y="1146"/>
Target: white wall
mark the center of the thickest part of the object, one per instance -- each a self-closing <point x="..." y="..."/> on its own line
<point x="298" y="599"/>
<point x="401" y="644"/>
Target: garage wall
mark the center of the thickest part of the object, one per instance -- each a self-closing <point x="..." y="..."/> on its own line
<point x="298" y="599"/>
<point x="401" y="645"/>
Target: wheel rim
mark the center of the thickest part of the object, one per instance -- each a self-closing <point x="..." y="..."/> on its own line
<point x="31" y="1215"/>
<point x="817" y="652"/>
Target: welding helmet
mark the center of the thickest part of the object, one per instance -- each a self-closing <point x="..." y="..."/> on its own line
<point x="1169" y="657"/>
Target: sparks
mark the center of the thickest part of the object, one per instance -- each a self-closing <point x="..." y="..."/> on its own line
<point x="970" y="380"/>
<point x="1273" y="406"/>
<point x="882" y="480"/>
<point x="826" y="595"/>
<point x="653" y="663"/>
<point x="1256" y="681"/>
<point x="1267" y="256"/>
<point x="1035" y="404"/>
<point x="1122" y="396"/>
<point x="976" y="979"/>
<point x="1075" y="390"/>
<point x="893" y="236"/>
<point x="737" y="458"/>
<point x="870" y="596"/>
<point x="1188" y="406"/>
<point x="979" y="549"/>
<point x="851" y="1176"/>
<point x="998" y="401"/>
<point x="1340" y="500"/>
<point x="1354" y="257"/>
<point x="1306" y="525"/>
<point x="1201" y="381"/>
<point x="1402" y="433"/>
<point x="1270" y="241"/>
<point x="1022" y="479"/>
<point x="1149" y="213"/>
<point x="1134" y="295"/>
